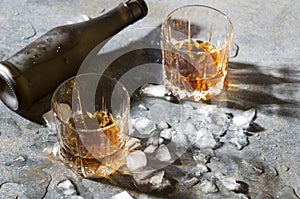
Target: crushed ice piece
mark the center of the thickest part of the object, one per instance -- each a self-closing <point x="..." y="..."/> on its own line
<point x="144" y="127"/>
<point x="143" y="196"/>
<point x="122" y="195"/>
<point x="76" y="197"/>
<point x="163" y="154"/>
<point x="237" y="138"/>
<point x="154" y="90"/>
<point x="133" y="143"/>
<point x="244" y="119"/>
<point x="218" y="124"/>
<point x="200" y="157"/>
<point x="48" y="117"/>
<point x="153" y="140"/>
<point x="190" y="181"/>
<point x="162" y="125"/>
<point x="150" y="149"/>
<point x="230" y="183"/>
<point x="55" y="150"/>
<point x="166" y="134"/>
<point x="157" y="179"/>
<point x="233" y="185"/>
<point x="203" y="139"/>
<point x="189" y="128"/>
<point x="152" y="182"/>
<point x="136" y="160"/>
<point x="180" y="141"/>
<point x="208" y="187"/>
<point x="243" y="196"/>
<point x="158" y="112"/>
<point x="67" y="187"/>
<point x="160" y="140"/>
<point x="202" y="168"/>
<point x="18" y="161"/>
<point x="143" y="107"/>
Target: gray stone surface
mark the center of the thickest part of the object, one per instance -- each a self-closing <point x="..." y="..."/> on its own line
<point x="265" y="75"/>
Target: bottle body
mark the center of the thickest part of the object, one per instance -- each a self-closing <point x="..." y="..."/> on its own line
<point x="40" y="67"/>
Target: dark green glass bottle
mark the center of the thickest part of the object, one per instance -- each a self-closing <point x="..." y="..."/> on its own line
<point x="40" y="67"/>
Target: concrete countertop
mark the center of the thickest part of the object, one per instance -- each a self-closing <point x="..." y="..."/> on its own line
<point x="265" y="75"/>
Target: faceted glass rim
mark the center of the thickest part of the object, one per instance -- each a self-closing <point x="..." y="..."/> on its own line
<point x="230" y="34"/>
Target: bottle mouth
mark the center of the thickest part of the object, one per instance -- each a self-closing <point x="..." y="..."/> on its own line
<point x="7" y="90"/>
<point x="137" y="8"/>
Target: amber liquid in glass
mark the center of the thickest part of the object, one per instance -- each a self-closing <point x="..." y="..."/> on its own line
<point x="93" y="153"/>
<point x="194" y="66"/>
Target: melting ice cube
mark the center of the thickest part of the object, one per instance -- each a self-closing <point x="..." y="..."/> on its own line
<point x="163" y="154"/>
<point x="244" y="119"/>
<point x="122" y="195"/>
<point x="136" y="160"/>
<point x="67" y="187"/>
<point x="144" y="127"/>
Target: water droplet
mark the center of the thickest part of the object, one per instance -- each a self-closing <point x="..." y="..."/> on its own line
<point x="59" y="48"/>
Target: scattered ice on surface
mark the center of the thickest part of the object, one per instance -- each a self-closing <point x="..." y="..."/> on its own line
<point x="143" y="107"/>
<point x="122" y="195"/>
<point x="230" y="183"/>
<point x="18" y="161"/>
<point x="218" y="123"/>
<point x="200" y="157"/>
<point x="202" y="139"/>
<point x="237" y="138"/>
<point x="75" y="197"/>
<point x="162" y="125"/>
<point x="180" y="141"/>
<point x="150" y="149"/>
<point x="53" y="150"/>
<point x="163" y="154"/>
<point x="166" y="134"/>
<point x="157" y="179"/>
<point x="244" y="119"/>
<point x="49" y="120"/>
<point x="151" y="180"/>
<point x="208" y="187"/>
<point x="136" y="160"/>
<point x="154" y="90"/>
<point x="67" y="187"/>
<point x="154" y="140"/>
<point x="189" y="128"/>
<point x="190" y="181"/>
<point x="144" y="127"/>
<point x="243" y="196"/>
<point x="159" y="112"/>
<point x="143" y="196"/>
<point x="202" y="168"/>
<point x="133" y="143"/>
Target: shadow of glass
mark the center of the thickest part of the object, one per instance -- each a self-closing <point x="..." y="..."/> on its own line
<point x="274" y="92"/>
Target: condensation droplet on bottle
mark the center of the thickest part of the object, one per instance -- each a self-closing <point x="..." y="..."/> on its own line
<point x="59" y="48"/>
